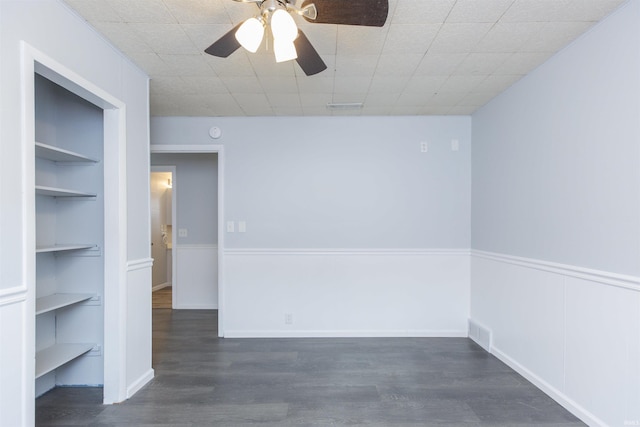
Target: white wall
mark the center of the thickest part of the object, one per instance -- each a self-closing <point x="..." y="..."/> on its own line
<point x="556" y="223"/>
<point x="341" y="208"/>
<point x="50" y="27"/>
<point x="196" y="187"/>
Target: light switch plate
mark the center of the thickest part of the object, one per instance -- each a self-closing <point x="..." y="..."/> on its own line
<point x="182" y="232"/>
<point x="242" y="226"/>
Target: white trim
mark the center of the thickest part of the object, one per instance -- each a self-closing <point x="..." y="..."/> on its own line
<point x="331" y="252"/>
<point x="196" y="246"/>
<point x="160" y="286"/>
<point x="13" y="295"/>
<point x="219" y="149"/>
<point x="139" y="264"/>
<point x="568" y="403"/>
<point x="140" y="382"/>
<point x="598" y="276"/>
<point x="407" y="333"/>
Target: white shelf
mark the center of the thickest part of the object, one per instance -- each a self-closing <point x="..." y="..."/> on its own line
<point x="49" y="152"/>
<point x="61" y="248"/>
<point x="55" y="356"/>
<point x="56" y="301"/>
<point x="60" y="192"/>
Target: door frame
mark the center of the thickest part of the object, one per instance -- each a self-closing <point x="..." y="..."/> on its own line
<point x="174" y="220"/>
<point x="202" y="149"/>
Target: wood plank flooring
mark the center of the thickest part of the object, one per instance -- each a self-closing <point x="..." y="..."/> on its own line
<point x="205" y="381"/>
<point x="162" y="298"/>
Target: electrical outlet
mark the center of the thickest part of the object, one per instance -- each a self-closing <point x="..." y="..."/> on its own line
<point x="182" y="232"/>
<point x="242" y="226"/>
<point x="424" y="146"/>
<point x="288" y="319"/>
<point x="231" y="226"/>
<point x="455" y="145"/>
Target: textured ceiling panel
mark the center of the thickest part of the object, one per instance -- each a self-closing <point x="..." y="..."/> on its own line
<point x="431" y="56"/>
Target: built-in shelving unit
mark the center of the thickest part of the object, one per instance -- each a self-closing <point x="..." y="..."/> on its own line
<point x="69" y="190"/>
<point x="57" y="355"/>
<point x="60" y="192"/>
<point x="55" y="154"/>
<point x="56" y="301"/>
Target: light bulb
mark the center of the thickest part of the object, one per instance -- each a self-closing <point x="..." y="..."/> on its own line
<point x="285" y="50"/>
<point x="250" y="34"/>
<point x="283" y="26"/>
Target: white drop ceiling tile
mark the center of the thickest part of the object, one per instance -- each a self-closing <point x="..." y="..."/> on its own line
<point x="413" y="99"/>
<point x="461" y="83"/>
<point x="508" y="36"/>
<point x="123" y="37"/>
<point x="198" y="11"/>
<point x="459" y="38"/>
<point x="150" y="63"/>
<point x="556" y="35"/>
<point x="165" y="38"/>
<point x="440" y="64"/>
<point x="422" y="11"/>
<point x="236" y="65"/>
<point x="315" y="84"/>
<point x="349" y="97"/>
<point x="351" y="84"/>
<point x="398" y="65"/>
<point x="143" y="11"/>
<point x="354" y="65"/>
<point x="323" y="37"/>
<point x="381" y="100"/>
<point x="447" y="99"/>
<point x="204" y="35"/>
<point x="239" y="12"/>
<point x="223" y="104"/>
<point x="410" y="38"/>
<point x="282" y="100"/>
<point x="95" y="10"/>
<point x="535" y="10"/>
<point x="319" y="100"/>
<point x="243" y="85"/>
<point x="462" y="110"/>
<point x="206" y="84"/>
<point x="477" y="99"/>
<point x="377" y="111"/>
<point x="388" y="84"/>
<point x="522" y="63"/>
<point x="358" y="40"/>
<point x="169" y="86"/>
<point x="255" y="100"/>
<point x="481" y="63"/>
<point x="288" y="111"/>
<point x="316" y="111"/>
<point x="432" y="110"/>
<point x="497" y="83"/>
<point x="425" y="84"/>
<point x="278" y="84"/>
<point x="187" y="65"/>
<point x="591" y="10"/>
<point x="478" y="10"/>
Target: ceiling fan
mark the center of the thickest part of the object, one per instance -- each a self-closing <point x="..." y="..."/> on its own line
<point x="289" y="42"/>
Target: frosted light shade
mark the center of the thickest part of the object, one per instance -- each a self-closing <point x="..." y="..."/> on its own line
<point x="250" y="34"/>
<point x="283" y="26"/>
<point x="285" y="50"/>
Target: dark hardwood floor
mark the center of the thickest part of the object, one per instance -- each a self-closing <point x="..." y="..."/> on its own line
<point x="205" y="381"/>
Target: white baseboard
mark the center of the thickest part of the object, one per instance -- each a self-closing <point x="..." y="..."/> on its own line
<point x="346" y="334"/>
<point x="195" y="307"/>
<point x="139" y="383"/>
<point x="160" y="286"/>
<point x="553" y="392"/>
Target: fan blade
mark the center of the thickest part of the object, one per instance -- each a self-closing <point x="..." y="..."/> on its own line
<point x="308" y="58"/>
<point x="370" y="13"/>
<point x="225" y="45"/>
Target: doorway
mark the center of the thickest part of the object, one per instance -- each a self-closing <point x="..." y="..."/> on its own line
<point x="162" y="206"/>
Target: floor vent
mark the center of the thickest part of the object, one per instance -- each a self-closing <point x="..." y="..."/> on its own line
<point x="480" y="334"/>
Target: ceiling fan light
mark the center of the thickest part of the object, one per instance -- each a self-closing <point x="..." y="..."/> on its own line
<point x="283" y="26"/>
<point x="285" y="50"/>
<point x="250" y="34"/>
